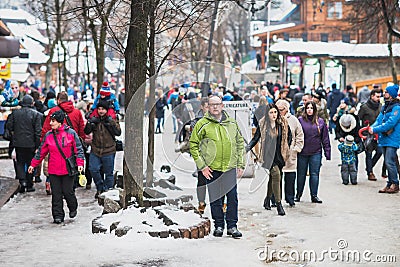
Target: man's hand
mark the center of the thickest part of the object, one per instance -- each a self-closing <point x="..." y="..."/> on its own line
<point x="239" y="172"/>
<point x="207" y="172"/>
<point x="94" y="120"/>
<point x="341" y="139"/>
<point x="31" y="169"/>
<point x="371" y="130"/>
<point x="80" y="168"/>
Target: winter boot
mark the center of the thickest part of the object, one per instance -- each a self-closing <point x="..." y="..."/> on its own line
<point x="384" y="190"/>
<point x="48" y="188"/>
<point x="371" y="176"/>
<point x="267" y="203"/>
<point x="280" y="209"/>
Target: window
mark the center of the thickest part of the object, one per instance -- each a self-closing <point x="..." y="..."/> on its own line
<point x="335" y="10"/>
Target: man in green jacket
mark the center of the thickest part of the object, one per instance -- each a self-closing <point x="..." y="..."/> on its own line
<point x="217" y="147"/>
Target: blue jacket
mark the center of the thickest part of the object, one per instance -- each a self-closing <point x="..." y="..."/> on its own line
<point x="348" y="153"/>
<point x="111" y="99"/>
<point x="387" y="125"/>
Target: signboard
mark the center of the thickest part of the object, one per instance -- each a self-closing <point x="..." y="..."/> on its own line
<point x="5" y="68"/>
<point x="241" y="112"/>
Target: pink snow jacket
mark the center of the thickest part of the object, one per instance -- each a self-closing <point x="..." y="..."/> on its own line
<point x="69" y="143"/>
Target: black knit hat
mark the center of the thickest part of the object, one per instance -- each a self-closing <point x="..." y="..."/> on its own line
<point x="104" y="104"/>
<point x="58" y="116"/>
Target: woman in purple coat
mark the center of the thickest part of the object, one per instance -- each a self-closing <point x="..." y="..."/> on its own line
<point x="316" y="138"/>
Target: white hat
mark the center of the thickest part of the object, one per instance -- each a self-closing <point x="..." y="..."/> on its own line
<point x="347" y="122"/>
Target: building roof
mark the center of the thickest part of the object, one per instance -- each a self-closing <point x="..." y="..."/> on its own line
<point x="3" y="29"/>
<point x="334" y="49"/>
<point x="18" y="15"/>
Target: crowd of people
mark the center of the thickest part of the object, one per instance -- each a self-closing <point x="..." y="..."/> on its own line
<point x="294" y="128"/>
<point x="63" y="137"/>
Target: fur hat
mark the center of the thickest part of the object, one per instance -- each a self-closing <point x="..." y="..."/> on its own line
<point x="393" y="90"/>
<point x="58" y="116"/>
<point x="349" y="139"/>
<point x="105" y="89"/>
<point x="347" y="122"/>
<point x="283" y="103"/>
<point x="104" y="104"/>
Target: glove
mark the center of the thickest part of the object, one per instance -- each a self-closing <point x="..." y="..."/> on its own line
<point x="94" y="120"/>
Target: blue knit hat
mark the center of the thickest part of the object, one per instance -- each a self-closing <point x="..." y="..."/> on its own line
<point x="393" y="90"/>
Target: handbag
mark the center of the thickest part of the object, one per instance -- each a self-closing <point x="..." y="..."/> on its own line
<point x="72" y="168"/>
<point x="119" y="146"/>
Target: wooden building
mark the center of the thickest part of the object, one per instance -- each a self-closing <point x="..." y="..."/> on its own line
<point x="324" y="22"/>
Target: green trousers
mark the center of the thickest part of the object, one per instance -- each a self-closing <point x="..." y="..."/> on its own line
<point x="274" y="184"/>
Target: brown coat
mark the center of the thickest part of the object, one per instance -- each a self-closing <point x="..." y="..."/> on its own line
<point x="103" y="142"/>
<point x="284" y="142"/>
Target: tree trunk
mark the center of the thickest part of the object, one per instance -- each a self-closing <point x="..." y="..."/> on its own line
<point x="392" y="60"/>
<point x="135" y="73"/>
<point x="152" y="72"/>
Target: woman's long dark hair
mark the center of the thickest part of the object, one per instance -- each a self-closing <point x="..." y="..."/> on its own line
<point x="314" y="118"/>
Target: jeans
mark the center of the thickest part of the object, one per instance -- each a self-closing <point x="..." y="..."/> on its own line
<point x="201" y="187"/>
<point x="223" y="183"/>
<point x="174" y="122"/>
<point x="390" y="156"/>
<point x="160" y="124"/>
<point x="62" y="187"/>
<point x="106" y="163"/>
<point x="370" y="161"/>
<point x="313" y="163"/>
<point x="290" y="178"/>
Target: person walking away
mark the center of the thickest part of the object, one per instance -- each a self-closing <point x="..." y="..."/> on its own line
<point x="316" y="138"/>
<point x="348" y="149"/>
<point x="387" y="126"/>
<point x="275" y="135"/>
<point x="60" y="143"/>
<point x="333" y="103"/>
<point x="26" y="126"/>
<point x="102" y="155"/>
<point x="161" y="103"/>
<point x="217" y="147"/>
<point x="290" y="168"/>
<point x="367" y="114"/>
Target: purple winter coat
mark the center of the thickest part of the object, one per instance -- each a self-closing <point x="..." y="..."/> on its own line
<point x="315" y="140"/>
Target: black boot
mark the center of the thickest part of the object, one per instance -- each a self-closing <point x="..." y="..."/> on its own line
<point x="297" y="198"/>
<point x="280" y="209"/>
<point x="267" y="202"/>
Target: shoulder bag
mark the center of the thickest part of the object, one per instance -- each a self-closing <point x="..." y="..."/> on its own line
<point x="71" y="161"/>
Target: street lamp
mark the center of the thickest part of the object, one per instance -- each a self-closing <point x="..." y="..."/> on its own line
<point x="246" y="5"/>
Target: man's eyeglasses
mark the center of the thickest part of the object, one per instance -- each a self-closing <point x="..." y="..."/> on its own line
<point x="215" y="105"/>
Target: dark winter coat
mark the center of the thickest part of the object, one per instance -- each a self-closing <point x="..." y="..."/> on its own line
<point x="104" y="130"/>
<point x="354" y="132"/>
<point x="369" y="112"/>
<point x="26" y="126"/>
<point x="160" y="104"/>
<point x="334" y="99"/>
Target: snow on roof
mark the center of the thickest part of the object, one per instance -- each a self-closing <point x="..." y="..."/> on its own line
<point x="18" y="15"/>
<point x="278" y="16"/>
<point x="35" y="50"/>
<point x="22" y="30"/>
<point x="334" y="49"/>
<point x="275" y="28"/>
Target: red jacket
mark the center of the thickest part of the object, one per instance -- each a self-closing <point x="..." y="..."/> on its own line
<point x="68" y="141"/>
<point x="74" y="115"/>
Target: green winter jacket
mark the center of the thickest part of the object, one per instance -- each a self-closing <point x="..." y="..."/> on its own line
<point x="218" y="145"/>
